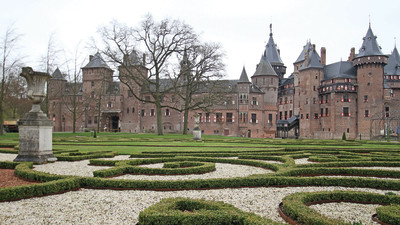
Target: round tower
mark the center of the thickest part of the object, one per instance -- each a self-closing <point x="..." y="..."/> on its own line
<point x="369" y="62"/>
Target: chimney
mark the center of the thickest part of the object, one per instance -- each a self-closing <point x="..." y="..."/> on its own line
<point x="90" y="57"/>
<point x="313" y="47"/>
<point x="323" y="56"/>
<point x="352" y="54"/>
<point x="306" y="58"/>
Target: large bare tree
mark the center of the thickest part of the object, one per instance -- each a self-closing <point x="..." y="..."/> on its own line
<point x="198" y="85"/>
<point x="10" y="63"/>
<point x="160" y="43"/>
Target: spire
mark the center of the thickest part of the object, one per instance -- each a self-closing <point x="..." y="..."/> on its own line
<point x="271" y="52"/>
<point x="393" y="66"/>
<point x="303" y="52"/>
<point x="57" y="74"/>
<point x="369" y="46"/>
<point x="243" y="77"/>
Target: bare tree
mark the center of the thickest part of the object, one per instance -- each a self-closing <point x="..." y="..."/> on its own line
<point x="159" y="42"/>
<point x="9" y="64"/>
<point x="198" y="85"/>
<point x="49" y="62"/>
<point x="15" y="99"/>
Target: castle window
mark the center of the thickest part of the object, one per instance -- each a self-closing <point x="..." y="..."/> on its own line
<point x="92" y="94"/>
<point x="346" y="111"/>
<point x="314" y="101"/>
<point x="280" y="115"/>
<point x="152" y="113"/>
<point x="290" y="113"/>
<point x="143" y="113"/>
<point x="218" y="117"/>
<point x="229" y="117"/>
<point x="133" y="110"/>
<point x="270" y="118"/>
<point x="306" y="101"/>
<point x="89" y="120"/>
<point x="307" y="116"/>
<point x="109" y="105"/>
<point x="326" y="112"/>
<point x="314" y="88"/>
<point x="285" y="115"/>
<point x="366" y="113"/>
<point x="316" y="116"/>
<point x="92" y="83"/>
<point x="127" y="110"/>
<point x="387" y="111"/>
<point x="322" y="113"/>
<point x="254" y="118"/>
<point x="208" y="117"/>
<point x="167" y="113"/>
<point x="345" y="98"/>
<point x="365" y="98"/>
<point x="301" y="116"/>
<point x="255" y="101"/>
<point x="200" y="117"/>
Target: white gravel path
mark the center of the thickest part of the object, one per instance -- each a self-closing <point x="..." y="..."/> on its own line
<point x="122" y="207"/>
<point x="222" y="170"/>
<point x="350" y="212"/>
<point x="7" y="157"/>
<point x="302" y="161"/>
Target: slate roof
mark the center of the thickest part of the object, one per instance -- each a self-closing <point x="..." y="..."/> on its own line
<point x="314" y="61"/>
<point x="264" y="68"/>
<point x="339" y="70"/>
<point x="97" y="62"/>
<point x="302" y="55"/>
<point x="243" y="77"/>
<point x="271" y="52"/>
<point x="369" y="46"/>
<point x="57" y="74"/>
<point x="393" y="66"/>
<point x="288" y="80"/>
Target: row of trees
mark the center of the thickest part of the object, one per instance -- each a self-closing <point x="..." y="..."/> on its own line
<point x="169" y="49"/>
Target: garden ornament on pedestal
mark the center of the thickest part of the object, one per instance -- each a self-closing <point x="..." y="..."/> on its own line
<point x="35" y="129"/>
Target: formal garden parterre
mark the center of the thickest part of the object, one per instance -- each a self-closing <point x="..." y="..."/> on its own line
<point x="129" y="179"/>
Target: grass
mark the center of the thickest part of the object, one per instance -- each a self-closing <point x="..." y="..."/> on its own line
<point x="127" y="143"/>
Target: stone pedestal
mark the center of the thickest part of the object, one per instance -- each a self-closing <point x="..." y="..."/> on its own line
<point x="197" y="135"/>
<point x="35" y="138"/>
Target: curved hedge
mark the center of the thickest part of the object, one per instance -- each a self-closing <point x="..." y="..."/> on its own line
<point x="389" y="214"/>
<point x="296" y="205"/>
<point x="196" y="211"/>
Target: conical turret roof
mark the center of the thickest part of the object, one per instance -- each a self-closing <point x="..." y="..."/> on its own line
<point x="393" y="66"/>
<point x="302" y="55"/>
<point x="57" y="74"/>
<point x="264" y="68"/>
<point x="271" y="52"/>
<point x="314" y="60"/>
<point x="369" y="46"/>
<point x="243" y="77"/>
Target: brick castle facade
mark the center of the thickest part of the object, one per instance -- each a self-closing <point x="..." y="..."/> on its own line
<point x="358" y="97"/>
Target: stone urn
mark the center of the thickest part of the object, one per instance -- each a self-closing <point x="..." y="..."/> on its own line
<point x="35" y="129"/>
<point x="196" y="129"/>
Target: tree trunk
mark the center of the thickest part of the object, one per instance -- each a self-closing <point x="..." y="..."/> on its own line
<point x="74" y="121"/>
<point x="185" y="121"/>
<point x="1" y="116"/>
<point x="159" y="119"/>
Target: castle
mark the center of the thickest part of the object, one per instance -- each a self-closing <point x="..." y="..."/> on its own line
<point x="357" y="97"/>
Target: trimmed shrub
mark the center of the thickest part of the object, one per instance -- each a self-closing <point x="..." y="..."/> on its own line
<point x="195" y="211"/>
<point x="296" y="205"/>
<point x="35" y="190"/>
<point x="389" y="214"/>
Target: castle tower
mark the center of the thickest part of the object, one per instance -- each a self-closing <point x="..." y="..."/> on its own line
<point x="267" y="80"/>
<point x="57" y="85"/>
<point x="272" y="55"/>
<point x="96" y="77"/>
<point x="369" y="62"/>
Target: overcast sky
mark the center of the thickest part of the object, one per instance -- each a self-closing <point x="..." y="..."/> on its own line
<point x="241" y="27"/>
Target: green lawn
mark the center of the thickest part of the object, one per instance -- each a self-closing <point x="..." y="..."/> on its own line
<point x="127" y="143"/>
